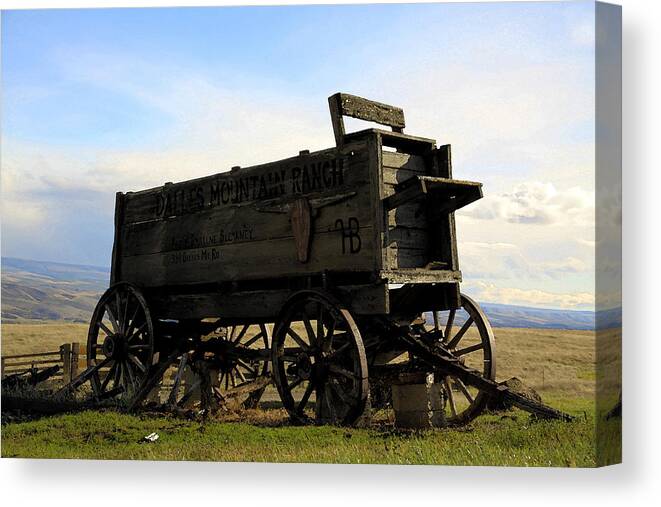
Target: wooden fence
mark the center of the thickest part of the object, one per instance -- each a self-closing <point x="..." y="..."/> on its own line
<point x="71" y="358"/>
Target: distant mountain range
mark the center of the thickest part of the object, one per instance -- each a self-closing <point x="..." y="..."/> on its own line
<point x="38" y="290"/>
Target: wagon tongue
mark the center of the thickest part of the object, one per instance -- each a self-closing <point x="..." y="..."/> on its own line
<point x="443" y="360"/>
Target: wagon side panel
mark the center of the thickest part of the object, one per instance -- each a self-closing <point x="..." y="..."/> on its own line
<point x="244" y="225"/>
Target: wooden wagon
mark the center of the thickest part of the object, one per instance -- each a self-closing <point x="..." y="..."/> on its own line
<point x="329" y="271"/>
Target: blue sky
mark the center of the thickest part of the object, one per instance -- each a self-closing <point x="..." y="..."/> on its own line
<point x="96" y="101"/>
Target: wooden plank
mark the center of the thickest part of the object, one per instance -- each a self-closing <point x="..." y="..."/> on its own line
<point x="65" y="350"/>
<point x="263" y="305"/>
<point x="333" y="250"/>
<point x="421" y="276"/>
<point x="318" y="172"/>
<point x="335" y="107"/>
<point x="412" y="215"/>
<point x="243" y="224"/>
<point x="35" y="363"/>
<point x="407" y="161"/>
<point x="408" y="237"/>
<point x="401" y="142"/>
<point x="369" y="110"/>
<point x="39" y="354"/>
<point x="443" y="226"/>
<point x="454" y="193"/>
<point x="375" y="169"/>
<point x="115" y="265"/>
<point x="406" y="258"/>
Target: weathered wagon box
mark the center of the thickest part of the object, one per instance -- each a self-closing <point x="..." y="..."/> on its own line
<point x="376" y="209"/>
<point x="323" y="272"/>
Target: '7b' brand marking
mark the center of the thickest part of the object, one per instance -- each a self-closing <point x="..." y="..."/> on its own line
<point x="350" y="235"/>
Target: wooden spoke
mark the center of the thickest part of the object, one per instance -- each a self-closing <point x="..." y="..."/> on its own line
<point x="436" y="323"/>
<point x="462" y="387"/>
<point x="448" y="324"/>
<point x="139" y="347"/>
<point x="241" y="334"/>
<point x="468" y="350"/>
<point x="343" y="372"/>
<point x="309" y="330"/>
<point x="328" y="399"/>
<point x="321" y="336"/>
<point x="109" y="375"/>
<point x="298" y="340"/>
<point x="118" y="315"/>
<point x="295" y="383"/>
<point x="337" y="388"/>
<point x="189" y="393"/>
<point x="131" y="322"/>
<point x="118" y="374"/>
<point x="448" y="391"/>
<point x="105" y="329"/>
<point x="112" y="319"/>
<point x="327" y="345"/>
<point x="343" y="348"/>
<point x="248" y="367"/>
<point x="129" y="370"/>
<point x="455" y="341"/>
<point x="137" y="362"/>
<point x="305" y="397"/>
<point x="254" y="339"/>
<point x="137" y="332"/>
<point x="240" y="375"/>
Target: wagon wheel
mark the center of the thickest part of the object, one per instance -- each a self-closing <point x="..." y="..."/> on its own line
<point x="248" y="364"/>
<point x="120" y="343"/>
<point x="233" y="362"/>
<point x="467" y="334"/>
<point x="318" y="352"/>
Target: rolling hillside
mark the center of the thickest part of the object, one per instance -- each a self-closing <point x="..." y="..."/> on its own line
<point x="36" y="290"/>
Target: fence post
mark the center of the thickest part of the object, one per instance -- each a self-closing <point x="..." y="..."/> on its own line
<point x="65" y="355"/>
<point x="75" y="352"/>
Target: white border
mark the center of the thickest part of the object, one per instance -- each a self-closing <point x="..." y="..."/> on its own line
<point x="637" y="482"/>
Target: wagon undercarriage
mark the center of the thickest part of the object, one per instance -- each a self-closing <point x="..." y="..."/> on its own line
<point x="322" y="359"/>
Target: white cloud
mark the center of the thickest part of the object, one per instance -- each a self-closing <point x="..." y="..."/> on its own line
<point x="491" y="293"/>
<point x="539" y="203"/>
<point x="507" y="261"/>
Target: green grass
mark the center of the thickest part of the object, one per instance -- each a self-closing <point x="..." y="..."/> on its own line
<point x="504" y="439"/>
<point x="559" y="364"/>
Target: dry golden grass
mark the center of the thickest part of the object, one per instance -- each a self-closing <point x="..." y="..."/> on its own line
<point x="554" y="362"/>
<point x="32" y="338"/>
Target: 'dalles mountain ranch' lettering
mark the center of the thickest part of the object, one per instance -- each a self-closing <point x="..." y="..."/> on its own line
<point x="236" y="188"/>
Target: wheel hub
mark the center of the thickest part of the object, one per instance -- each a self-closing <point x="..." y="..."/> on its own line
<point x="115" y="347"/>
<point x="304" y="366"/>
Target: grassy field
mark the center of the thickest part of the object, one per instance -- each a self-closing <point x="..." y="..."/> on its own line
<point x="560" y="365"/>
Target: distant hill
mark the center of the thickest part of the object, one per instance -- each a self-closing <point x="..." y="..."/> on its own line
<point x="522" y="316"/>
<point x="55" y="291"/>
<point x="36" y="290"/>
